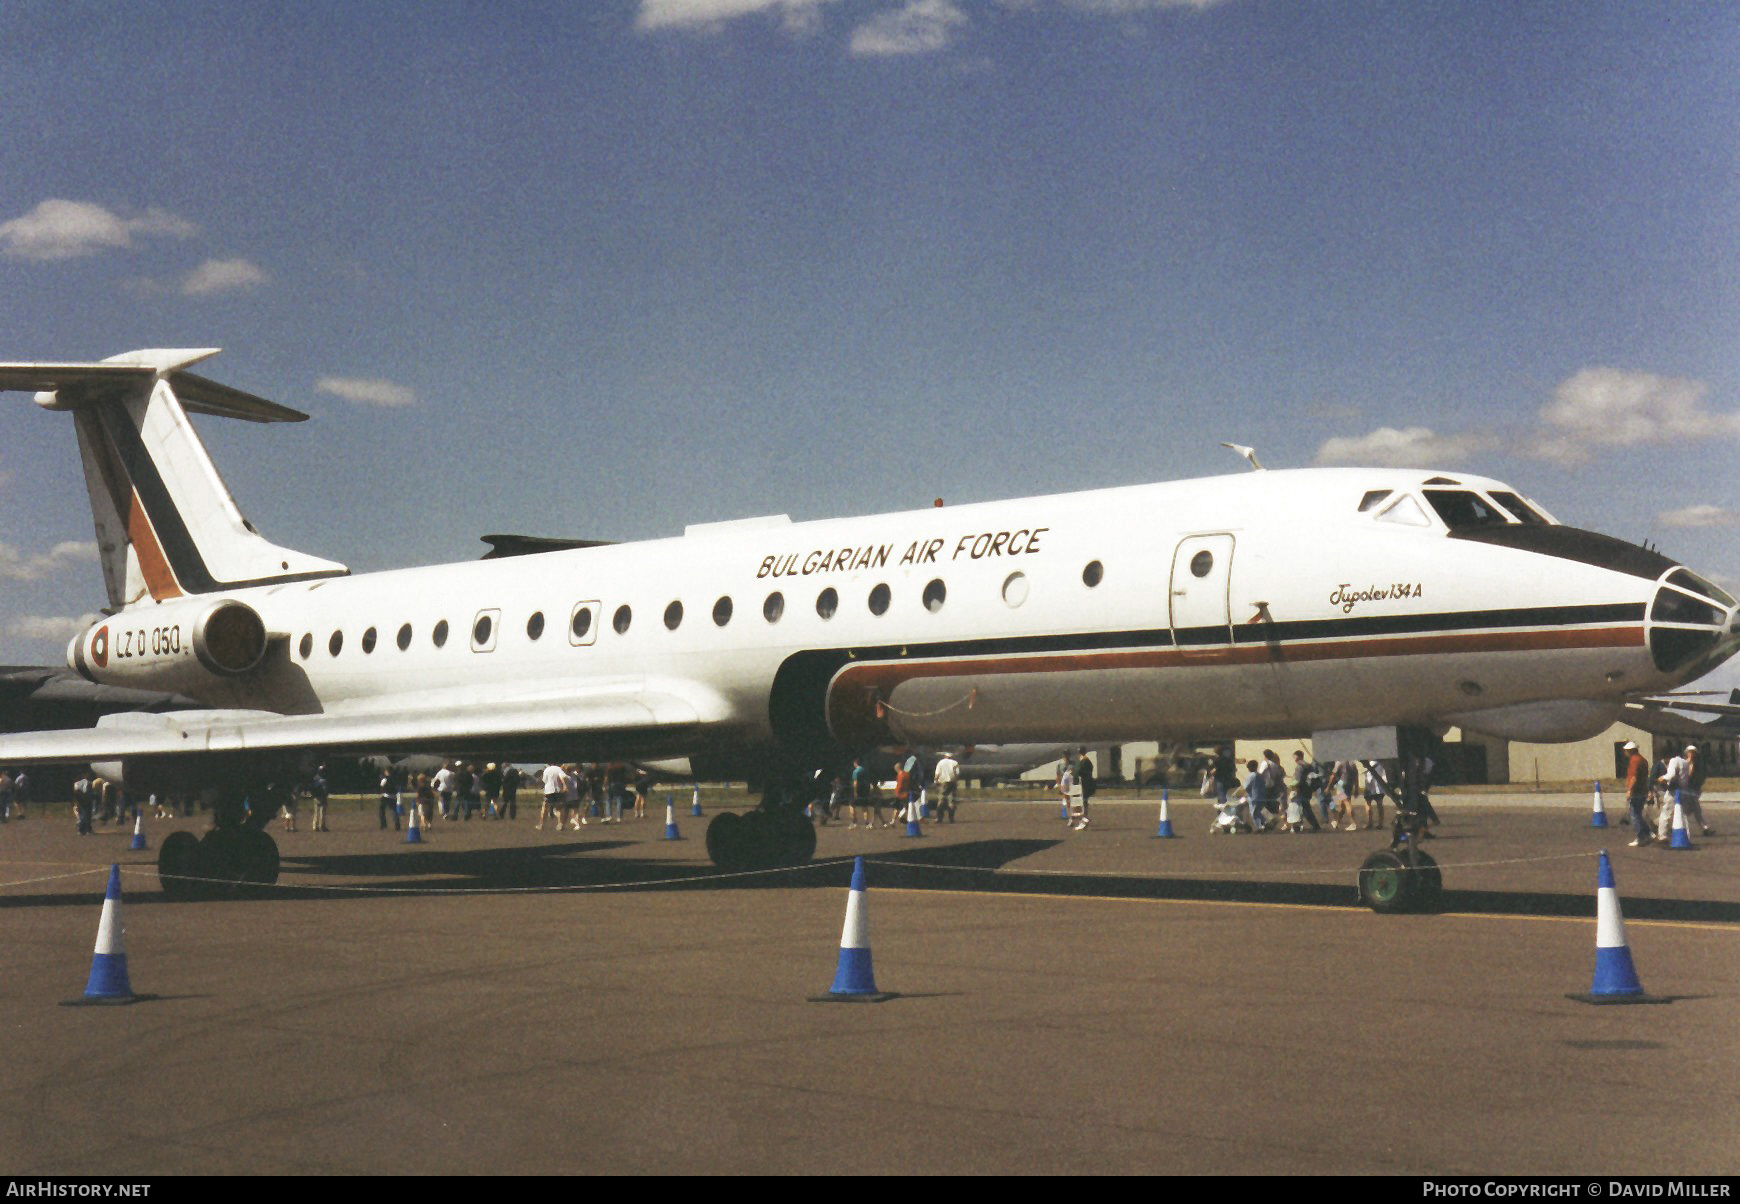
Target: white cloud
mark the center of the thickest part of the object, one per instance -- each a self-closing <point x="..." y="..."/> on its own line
<point x="16" y="566"/>
<point x="1414" y="447"/>
<point x="47" y="627"/>
<point x="1699" y="516"/>
<point x="1606" y="407"/>
<point x="909" y="27"/>
<point x="1123" y="8"/>
<point x="917" y="27"/>
<point x="798" y="16"/>
<point x="61" y="229"/>
<point x="368" y="392"/>
<point x="222" y="276"/>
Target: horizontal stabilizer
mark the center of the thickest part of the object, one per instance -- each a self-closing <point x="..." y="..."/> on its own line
<point x="67" y="385"/>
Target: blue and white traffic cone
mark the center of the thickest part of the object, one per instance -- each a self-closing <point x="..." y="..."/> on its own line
<point x="1615" y="977"/>
<point x="414" y="828"/>
<point x="1681" y="839"/>
<point x="1165" y="832"/>
<point x="912" y="828"/>
<point x="695" y="803"/>
<point x="108" y="982"/>
<point x="671" y="832"/>
<point x="138" y="831"/>
<point x="854" y="981"/>
<point x="924" y="807"/>
<point x="1599" y="818"/>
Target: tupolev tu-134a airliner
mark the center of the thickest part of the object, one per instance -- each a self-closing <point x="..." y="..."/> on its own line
<point x="1352" y="605"/>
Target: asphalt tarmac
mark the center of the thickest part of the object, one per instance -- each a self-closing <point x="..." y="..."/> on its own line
<point x="502" y="1000"/>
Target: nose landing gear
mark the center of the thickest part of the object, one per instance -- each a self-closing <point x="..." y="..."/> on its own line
<point x="1394" y="881"/>
<point x="1403" y="877"/>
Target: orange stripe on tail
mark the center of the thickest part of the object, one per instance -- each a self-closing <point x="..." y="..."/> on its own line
<point x="153" y="565"/>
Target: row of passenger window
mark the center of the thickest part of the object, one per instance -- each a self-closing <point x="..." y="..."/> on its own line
<point x="580" y="631"/>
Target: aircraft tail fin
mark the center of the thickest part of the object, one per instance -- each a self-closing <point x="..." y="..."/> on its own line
<point x="166" y="523"/>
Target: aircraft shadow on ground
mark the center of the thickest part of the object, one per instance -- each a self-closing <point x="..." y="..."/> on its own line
<point x="983" y="866"/>
<point x="947" y="874"/>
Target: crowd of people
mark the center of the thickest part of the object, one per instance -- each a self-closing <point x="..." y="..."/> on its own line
<point x="455" y="792"/>
<point x="574" y="794"/>
<point x="1652" y="790"/>
<point x="1267" y="798"/>
<point x="1261" y="796"/>
<point x="858" y="795"/>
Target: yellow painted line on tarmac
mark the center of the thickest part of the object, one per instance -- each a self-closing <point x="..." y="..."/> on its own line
<point x="1694" y="925"/>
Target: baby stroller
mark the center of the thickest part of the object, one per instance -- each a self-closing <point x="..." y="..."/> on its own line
<point x="1230" y="818"/>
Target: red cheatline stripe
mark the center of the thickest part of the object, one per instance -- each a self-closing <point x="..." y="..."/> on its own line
<point x="153" y="565"/>
<point x="893" y="672"/>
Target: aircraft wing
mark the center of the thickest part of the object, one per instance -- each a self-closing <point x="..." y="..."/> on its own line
<point x="1670" y="702"/>
<point x="603" y="717"/>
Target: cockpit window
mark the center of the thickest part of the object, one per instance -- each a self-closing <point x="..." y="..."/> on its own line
<point x="1464" y="511"/>
<point x="1406" y="511"/>
<point x="1671" y="606"/>
<point x="1372" y="498"/>
<point x="1688" y="580"/>
<point x="1519" y="509"/>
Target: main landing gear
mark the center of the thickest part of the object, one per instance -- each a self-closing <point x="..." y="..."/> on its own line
<point x="775" y="834"/>
<point x="235" y="854"/>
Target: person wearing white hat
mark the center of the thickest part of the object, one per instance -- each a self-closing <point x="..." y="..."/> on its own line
<point x="1675" y="783"/>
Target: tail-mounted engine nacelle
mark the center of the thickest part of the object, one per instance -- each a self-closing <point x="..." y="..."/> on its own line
<point x="175" y="646"/>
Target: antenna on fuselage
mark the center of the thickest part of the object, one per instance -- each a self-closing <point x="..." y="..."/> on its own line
<point x="1248" y="453"/>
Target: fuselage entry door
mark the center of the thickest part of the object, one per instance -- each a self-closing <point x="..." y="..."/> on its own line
<point x="1201" y="591"/>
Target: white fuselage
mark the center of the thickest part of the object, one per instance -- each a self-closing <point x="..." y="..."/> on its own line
<point x="1262" y="602"/>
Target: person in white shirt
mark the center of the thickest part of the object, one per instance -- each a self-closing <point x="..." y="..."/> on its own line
<point x="444" y="783"/>
<point x="947" y="776"/>
<point x="555" y="786"/>
<point x="1677" y="782"/>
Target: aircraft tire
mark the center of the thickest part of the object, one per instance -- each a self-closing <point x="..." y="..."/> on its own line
<point x="1428" y="883"/>
<point x="217" y="862"/>
<point x="802" y="845"/>
<point x="259" y="857"/>
<point x="177" y="864"/>
<point x="762" y="844"/>
<point x="726" y="840"/>
<point x="1386" y="885"/>
<point x="237" y="857"/>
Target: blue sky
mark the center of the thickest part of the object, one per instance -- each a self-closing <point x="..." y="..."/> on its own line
<point x="604" y="269"/>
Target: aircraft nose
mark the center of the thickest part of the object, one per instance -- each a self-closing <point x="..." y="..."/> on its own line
<point x="1693" y="625"/>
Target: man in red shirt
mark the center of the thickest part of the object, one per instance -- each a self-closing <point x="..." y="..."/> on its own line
<point x="902" y="793"/>
<point x="1636" y="791"/>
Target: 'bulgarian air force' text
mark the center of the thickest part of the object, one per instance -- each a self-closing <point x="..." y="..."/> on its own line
<point x="977" y="545"/>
